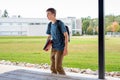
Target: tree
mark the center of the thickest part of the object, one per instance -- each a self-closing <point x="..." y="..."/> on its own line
<point x="86" y="22"/>
<point x="85" y="25"/>
<point x="119" y="29"/>
<point x="5" y="14"/>
<point x="96" y="30"/>
<point x="109" y="19"/>
<point x="90" y="30"/>
<point x="109" y="29"/>
<point x="117" y="18"/>
<point x="94" y="22"/>
<point x="115" y="26"/>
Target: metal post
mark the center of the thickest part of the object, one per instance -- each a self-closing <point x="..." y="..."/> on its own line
<point x="101" y="40"/>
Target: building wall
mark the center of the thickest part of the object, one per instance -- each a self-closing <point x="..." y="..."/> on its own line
<point x="29" y="26"/>
<point x="37" y="31"/>
<point x="79" y="26"/>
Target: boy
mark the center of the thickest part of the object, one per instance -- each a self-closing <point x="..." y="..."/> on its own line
<point x="59" y="42"/>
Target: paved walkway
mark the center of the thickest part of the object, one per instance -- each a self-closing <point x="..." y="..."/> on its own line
<point x="8" y="72"/>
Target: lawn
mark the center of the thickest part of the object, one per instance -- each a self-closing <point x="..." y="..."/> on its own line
<point x="83" y="52"/>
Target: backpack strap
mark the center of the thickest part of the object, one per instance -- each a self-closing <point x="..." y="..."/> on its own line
<point x="49" y="25"/>
<point x="59" y="26"/>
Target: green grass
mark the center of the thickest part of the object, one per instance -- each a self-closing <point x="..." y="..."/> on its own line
<point x="83" y="52"/>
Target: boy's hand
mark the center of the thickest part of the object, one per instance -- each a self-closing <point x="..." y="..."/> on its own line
<point x="65" y="52"/>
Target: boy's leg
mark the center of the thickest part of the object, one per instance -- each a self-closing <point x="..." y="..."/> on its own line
<point x="53" y="52"/>
<point x="58" y="62"/>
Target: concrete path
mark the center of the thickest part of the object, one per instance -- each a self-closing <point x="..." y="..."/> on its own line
<point x="8" y="72"/>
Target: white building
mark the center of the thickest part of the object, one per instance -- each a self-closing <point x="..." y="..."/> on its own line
<point x="29" y="26"/>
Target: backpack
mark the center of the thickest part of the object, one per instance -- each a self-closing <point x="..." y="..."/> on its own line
<point x="67" y="28"/>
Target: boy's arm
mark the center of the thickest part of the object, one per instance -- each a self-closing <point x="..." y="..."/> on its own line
<point x="66" y="44"/>
<point x="49" y="36"/>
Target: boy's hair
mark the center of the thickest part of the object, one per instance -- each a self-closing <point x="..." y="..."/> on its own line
<point x="52" y="10"/>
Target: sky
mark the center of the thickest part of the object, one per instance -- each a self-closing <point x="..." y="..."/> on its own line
<point x="65" y="8"/>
